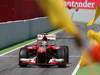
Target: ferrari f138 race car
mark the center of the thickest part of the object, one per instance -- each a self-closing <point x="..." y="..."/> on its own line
<point x="44" y="53"/>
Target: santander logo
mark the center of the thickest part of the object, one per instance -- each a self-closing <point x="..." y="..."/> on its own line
<point x="81" y="4"/>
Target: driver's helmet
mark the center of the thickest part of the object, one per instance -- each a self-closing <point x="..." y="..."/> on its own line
<point x="44" y="41"/>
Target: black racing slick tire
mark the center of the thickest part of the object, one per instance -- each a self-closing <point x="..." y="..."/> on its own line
<point x="23" y="53"/>
<point x="64" y="53"/>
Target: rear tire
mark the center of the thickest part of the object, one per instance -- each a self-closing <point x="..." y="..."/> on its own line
<point x="23" y="53"/>
<point x="64" y="53"/>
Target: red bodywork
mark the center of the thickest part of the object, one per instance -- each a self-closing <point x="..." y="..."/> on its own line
<point x="39" y="51"/>
<point x="37" y="47"/>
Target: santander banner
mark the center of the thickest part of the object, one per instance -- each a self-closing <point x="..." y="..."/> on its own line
<point x="82" y="4"/>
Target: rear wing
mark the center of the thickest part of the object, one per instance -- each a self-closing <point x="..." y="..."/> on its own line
<point x="49" y="36"/>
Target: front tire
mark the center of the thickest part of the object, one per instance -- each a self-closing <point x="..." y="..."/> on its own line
<point x="23" y="53"/>
<point x="64" y="53"/>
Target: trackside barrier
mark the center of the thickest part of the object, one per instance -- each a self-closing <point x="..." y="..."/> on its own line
<point x="17" y="31"/>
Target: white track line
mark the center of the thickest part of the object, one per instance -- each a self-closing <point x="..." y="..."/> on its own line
<point x="76" y="69"/>
<point x="17" y="48"/>
<point x="23" y="20"/>
<point x="26" y="44"/>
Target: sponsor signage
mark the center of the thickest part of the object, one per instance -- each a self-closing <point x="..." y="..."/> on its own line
<point x="83" y="4"/>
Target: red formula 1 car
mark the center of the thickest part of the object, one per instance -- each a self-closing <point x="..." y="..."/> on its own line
<point x="44" y="53"/>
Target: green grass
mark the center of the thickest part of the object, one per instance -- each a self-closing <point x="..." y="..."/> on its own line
<point x="93" y="69"/>
<point x="21" y="44"/>
<point x="15" y="46"/>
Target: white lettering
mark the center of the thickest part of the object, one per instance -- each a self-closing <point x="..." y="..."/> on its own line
<point x="92" y="5"/>
<point x="81" y="4"/>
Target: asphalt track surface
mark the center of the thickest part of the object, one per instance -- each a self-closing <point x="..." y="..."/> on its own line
<point x="9" y="62"/>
